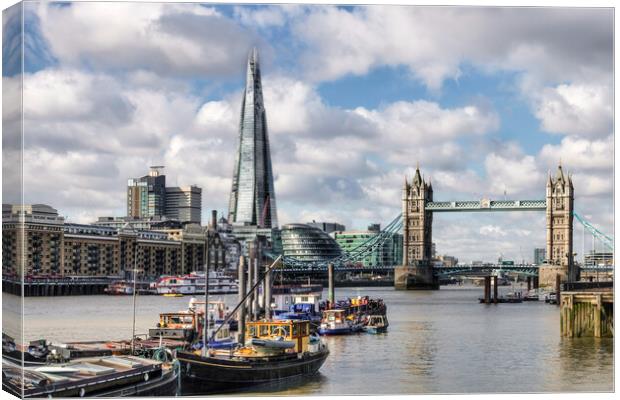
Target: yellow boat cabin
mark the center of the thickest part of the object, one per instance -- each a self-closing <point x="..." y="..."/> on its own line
<point x="291" y="330"/>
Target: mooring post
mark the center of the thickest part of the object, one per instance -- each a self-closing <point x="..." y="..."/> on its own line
<point x="330" y="285"/>
<point x="241" y="315"/>
<point x="267" y="294"/>
<point x="557" y="289"/>
<point x="597" y="315"/>
<point x="487" y="289"/>
<point x="255" y="293"/>
<point x="495" y="289"/>
<point x="249" y="302"/>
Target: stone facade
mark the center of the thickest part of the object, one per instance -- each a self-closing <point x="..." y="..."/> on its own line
<point x="559" y="250"/>
<point x="417" y="222"/>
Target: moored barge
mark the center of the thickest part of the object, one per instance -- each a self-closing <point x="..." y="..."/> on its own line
<point x="277" y="352"/>
<point x="116" y="376"/>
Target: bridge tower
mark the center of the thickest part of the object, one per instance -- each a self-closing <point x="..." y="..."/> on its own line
<point x="560" y="200"/>
<point x="416" y="271"/>
<point x="417" y="222"/>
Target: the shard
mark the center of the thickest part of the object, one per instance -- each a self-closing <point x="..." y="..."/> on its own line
<point x="252" y="198"/>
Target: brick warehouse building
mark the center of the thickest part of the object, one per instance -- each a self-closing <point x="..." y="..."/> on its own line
<point x="47" y="246"/>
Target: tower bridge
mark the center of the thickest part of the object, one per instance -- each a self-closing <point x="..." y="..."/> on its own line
<point x="418" y="208"/>
<point x="415" y="222"/>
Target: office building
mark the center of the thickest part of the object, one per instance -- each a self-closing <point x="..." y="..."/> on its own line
<point x="252" y="197"/>
<point x="448" y="261"/>
<point x="146" y="196"/>
<point x="308" y="244"/>
<point x="390" y="252"/>
<point x="184" y="204"/>
<point x="148" y="199"/>
<point x="327" y="227"/>
<point x="598" y="258"/>
<point x="539" y="256"/>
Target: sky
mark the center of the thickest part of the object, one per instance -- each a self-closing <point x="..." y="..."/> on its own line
<point x="488" y="101"/>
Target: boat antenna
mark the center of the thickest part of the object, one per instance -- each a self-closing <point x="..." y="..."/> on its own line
<point x="250" y="291"/>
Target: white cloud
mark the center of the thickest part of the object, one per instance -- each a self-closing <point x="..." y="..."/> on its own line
<point x="433" y="42"/>
<point x="423" y="122"/>
<point x="515" y="176"/>
<point x="169" y="39"/>
<point x="492" y="230"/>
<point x="576" y="109"/>
<point x="579" y="154"/>
<point x="262" y="17"/>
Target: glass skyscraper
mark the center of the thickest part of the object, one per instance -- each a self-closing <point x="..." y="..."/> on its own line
<point x="252" y="198"/>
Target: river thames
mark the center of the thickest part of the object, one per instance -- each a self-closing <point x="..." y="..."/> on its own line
<point x="438" y="342"/>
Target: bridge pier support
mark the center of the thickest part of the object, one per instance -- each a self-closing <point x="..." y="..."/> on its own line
<point x="495" y="289"/>
<point x="487" y="289"/>
<point x="418" y="277"/>
<point x="529" y="283"/>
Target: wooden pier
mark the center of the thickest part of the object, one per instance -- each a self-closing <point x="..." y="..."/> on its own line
<point x="587" y="313"/>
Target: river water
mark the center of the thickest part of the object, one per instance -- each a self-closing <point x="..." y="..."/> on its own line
<point x="438" y="342"/>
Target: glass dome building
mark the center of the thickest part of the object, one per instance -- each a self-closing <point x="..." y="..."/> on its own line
<point x="308" y="244"/>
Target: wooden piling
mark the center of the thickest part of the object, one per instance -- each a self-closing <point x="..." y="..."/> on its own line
<point x="331" y="283"/>
<point x="584" y="314"/>
<point x="242" y="309"/>
<point x="267" y="294"/>
<point x="557" y="289"/>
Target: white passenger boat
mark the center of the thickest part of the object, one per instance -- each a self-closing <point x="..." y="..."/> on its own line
<point x="194" y="283"/>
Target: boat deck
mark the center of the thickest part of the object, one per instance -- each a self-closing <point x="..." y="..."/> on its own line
<point x="89" y="376"/>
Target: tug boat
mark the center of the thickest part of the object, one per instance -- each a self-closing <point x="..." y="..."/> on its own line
<point x="335" y="322"/>
<point x="276" y="351"/>
<point x="376" y="324"/>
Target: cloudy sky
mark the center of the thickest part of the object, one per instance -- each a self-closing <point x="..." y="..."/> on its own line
<point x="487" y="100"/>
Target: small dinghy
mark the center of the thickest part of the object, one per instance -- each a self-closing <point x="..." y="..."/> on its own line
<point x="376" y="324"/>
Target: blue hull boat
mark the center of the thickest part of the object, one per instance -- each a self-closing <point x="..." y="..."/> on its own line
<point x="338" y="331"/>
